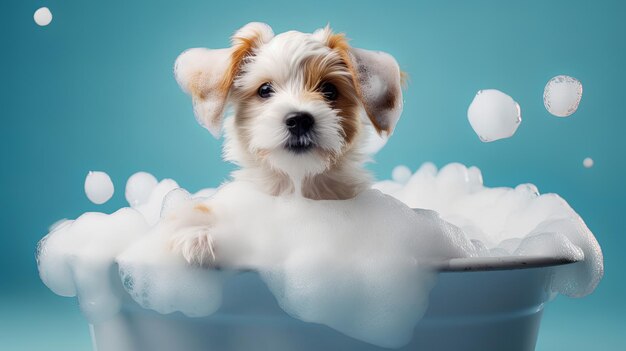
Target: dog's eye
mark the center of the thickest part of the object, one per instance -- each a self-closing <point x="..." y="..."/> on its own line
<point x="329" y="91"/>
<point x="266" y="90"/>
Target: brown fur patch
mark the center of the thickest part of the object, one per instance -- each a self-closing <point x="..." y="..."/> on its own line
<point x="242" y="48"/>
<point x="199" y="85"/>
<point x="202" y="208"/>
<point x="338" y="71"/>
<point x="378" y="108"/>
<point x="388" y="101"/>
<point x="404" y="79"/>
<point x="339" y="43"/>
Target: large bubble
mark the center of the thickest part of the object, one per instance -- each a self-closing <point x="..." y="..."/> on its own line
<point x="562" y="95"/>
<point x="494" y="115"/>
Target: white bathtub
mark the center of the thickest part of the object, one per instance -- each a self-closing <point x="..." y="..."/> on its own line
<point x="477" y="304"/>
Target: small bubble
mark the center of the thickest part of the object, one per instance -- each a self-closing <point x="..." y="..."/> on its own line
<point x="98" y="187"/>
<point x="139" y="187"/>
<point x="401" y="174"/>
<point x="588" y="162"/>
<point x="43" y="16"/>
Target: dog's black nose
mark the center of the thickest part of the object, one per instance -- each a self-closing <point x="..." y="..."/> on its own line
<point x="299" y="123"/>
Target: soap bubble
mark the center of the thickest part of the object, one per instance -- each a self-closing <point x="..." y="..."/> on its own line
<point x="562" y="95"/>
<point x="151" y="209"/>
<point x="401" y="174"/>
<point x="43" y="16"/>
<point x="139" y="187"/>
<point x="494" y="115"/>
<point x="588" y="162"/>
<point x="174" y="200"/>
<point x="98" y="187"/>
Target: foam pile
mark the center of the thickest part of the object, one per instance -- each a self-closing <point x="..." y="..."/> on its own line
<point x="77" y="258"/>
<point x="331" y="266"/>
<point x="507" y="221"/>
<point x="154" y="275"/>
<point x="362" y="266"/>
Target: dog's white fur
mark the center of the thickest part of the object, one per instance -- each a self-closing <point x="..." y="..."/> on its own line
<point x="295" y="63"/>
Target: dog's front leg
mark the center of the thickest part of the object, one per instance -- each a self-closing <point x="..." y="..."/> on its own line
<point x="191" y="238"/>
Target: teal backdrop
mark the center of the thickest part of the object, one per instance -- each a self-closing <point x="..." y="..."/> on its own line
<point x="94" y="90"/>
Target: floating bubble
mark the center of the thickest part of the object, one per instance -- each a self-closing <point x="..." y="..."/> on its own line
<point x="588" y="162"/>
<point x="494" y="115"/>
<point x="401" y="174"/>
<point x="139" y="187"/>
<point x="98" y="187"/>
<point x="562" y="95"/>
<point x="43" y="16"/>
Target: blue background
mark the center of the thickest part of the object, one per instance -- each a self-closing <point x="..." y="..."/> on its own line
<point x="94" y="90"/>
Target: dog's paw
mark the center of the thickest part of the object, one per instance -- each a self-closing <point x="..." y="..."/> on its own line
<point x="196" y="245"/>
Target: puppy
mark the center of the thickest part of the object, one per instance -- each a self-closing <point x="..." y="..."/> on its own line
<point x="300" y="103"/>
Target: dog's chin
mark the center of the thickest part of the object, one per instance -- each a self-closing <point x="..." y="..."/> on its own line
<point x="298" y="160"/>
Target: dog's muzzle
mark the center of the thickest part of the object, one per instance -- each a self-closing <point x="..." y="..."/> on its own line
<point x="301" y="136"/>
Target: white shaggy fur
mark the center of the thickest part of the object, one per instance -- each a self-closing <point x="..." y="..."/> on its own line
<point x="257" y="135"/>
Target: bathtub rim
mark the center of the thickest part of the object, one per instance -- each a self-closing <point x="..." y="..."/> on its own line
<point x="481" y="264"/>
<point x="472" y="264"/>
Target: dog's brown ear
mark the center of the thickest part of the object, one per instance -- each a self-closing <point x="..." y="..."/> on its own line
<point x="200" y="72"/>
<point x="207" y="74"/>
<point x="380" y="84"/>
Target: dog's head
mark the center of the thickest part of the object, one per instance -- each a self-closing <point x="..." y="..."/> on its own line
<point x="300" y="99"/>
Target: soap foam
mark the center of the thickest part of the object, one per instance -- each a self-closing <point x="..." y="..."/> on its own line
<point x="76" y="258"/>
<point x="508" y="221"/>
<point x="158" y="279"/>
<point x="363" y="266"/>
